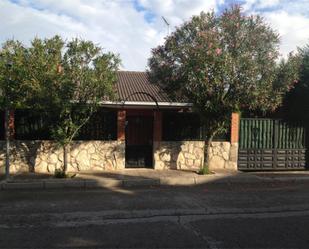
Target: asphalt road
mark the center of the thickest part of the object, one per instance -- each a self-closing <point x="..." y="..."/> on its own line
<point x="209" y="216"/>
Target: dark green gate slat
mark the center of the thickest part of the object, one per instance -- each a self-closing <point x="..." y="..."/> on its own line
<point x="254" y="134"/>
<point x="286" y="136"/>
<point x="297" y="144"/>
<point x="261" y="129"/>
<point x="262" y="134"/>
<point x="270" y="133"/>
<point x="282" y="137"/>
<point x="299" y="138"/>
<point x="248" y="135"/>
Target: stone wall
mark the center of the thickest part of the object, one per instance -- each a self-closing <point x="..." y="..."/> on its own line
<point x="46" y="156"/>
<point x="223" y="155"/>
<point x="184" y="155"/>
<point x="189" y="155"/>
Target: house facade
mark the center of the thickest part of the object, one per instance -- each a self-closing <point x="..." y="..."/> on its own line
<point x="144" y="128"/>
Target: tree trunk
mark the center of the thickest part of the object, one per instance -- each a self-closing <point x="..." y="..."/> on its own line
<point x="207" y="151"/>
<point x="207" y="148"/>
<point x="65" y="159"/>
<point x="7" y="143"/>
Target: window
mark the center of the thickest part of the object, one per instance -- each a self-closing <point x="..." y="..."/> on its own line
<point x="185" y="126"/>
<point x="30" y="125"/>
<point x="102" y="126"/>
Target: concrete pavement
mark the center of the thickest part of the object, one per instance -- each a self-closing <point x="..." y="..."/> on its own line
<point x="203" y="216"/>
<point x="147" y="177"/>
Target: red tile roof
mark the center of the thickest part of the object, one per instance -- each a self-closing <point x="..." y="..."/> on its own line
<point x="129" y="83"/>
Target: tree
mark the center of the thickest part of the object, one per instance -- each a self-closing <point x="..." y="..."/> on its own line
<point x="13" y="87"/>
<point x="73" y="78"/>
<point x="296" y="102"/>
<point x="223" y="64"/>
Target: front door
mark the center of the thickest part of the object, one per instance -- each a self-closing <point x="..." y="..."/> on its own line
<point x="139" y="136"/>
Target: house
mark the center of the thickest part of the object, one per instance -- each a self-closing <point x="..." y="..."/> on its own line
<point x="143" y="128"/>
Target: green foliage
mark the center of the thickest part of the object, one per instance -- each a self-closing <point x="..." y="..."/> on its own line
<point x="296" y="102"/>
<point x="14" y="88"/>
<point x="63" y="80"/>
<point x="71" y="78"/>
<point x="204" y="171"/>
<point x="223" y="64"/>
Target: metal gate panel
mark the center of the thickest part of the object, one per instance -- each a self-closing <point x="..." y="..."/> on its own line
<point x="271" y="144"/>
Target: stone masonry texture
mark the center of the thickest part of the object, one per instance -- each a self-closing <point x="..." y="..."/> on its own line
<point x="223" y="155"/>
<point x="189" y="155"/>
<point x="45" y="156"/>
<point x="184" y="155"/>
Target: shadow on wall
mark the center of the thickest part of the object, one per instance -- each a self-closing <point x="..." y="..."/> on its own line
<point x="44" y="156"/>
<point x="29" y="156"/>
<point x="189" y="155"/>
<point x="97" y="155"/>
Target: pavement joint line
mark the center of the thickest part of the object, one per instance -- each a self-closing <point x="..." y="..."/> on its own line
<point x="182" y="218"/>
<point x="123" y="214"/>
<point x="161" y="181"/>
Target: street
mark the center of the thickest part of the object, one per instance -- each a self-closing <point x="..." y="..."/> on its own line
<point x="206" y="216"/>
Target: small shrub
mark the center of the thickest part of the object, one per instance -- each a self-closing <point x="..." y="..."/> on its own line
<point x="204" y="171"/>
<point x="59" y="173"/>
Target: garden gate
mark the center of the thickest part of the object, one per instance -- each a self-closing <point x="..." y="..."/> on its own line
<point x="271" y="144"/>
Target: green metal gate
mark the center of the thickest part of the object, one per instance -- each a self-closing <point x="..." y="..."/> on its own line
<point x="271" y="144"/>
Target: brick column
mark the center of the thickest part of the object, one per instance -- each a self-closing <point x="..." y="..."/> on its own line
<point x="121" y="125"/>
<point x="157" y="126"/>
<point x="233" y="157"/>
<point x="235" y="128"/>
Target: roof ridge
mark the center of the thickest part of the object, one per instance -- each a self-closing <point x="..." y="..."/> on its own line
<point x="127" y="71"/>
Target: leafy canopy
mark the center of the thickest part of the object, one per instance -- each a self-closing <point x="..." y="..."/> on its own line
<point x="296" y="102"/>
<point x="72" y="78"/>
<point x="14" y="89"/>
<point x="223" y="64"/>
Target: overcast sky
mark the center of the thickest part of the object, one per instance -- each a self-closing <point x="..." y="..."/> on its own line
<point x="132" y="27"/>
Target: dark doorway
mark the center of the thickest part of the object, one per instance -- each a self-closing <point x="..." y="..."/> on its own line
<point x="139" y="139"/>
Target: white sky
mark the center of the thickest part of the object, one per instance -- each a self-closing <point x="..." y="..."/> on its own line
<point x="132" y="27"/>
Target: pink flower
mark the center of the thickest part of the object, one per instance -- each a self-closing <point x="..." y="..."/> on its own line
<point x="218" y="51"/>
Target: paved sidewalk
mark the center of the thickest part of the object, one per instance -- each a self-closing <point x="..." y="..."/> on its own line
<point x="147" y="177"/>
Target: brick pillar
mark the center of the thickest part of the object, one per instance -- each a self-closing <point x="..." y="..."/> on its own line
<point x="157" y="126"/>
<point x="233" y="157"/>
<point x="121" y="125"/>
<point x="235" y="128"/>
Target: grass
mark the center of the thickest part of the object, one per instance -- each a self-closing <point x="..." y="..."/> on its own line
<point x="205" y="171"/>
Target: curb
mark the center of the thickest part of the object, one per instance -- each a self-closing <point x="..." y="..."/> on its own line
<point x="163" y="181"/>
